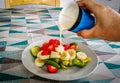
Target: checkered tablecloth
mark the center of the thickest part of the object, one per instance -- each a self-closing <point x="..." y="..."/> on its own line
<point x="20" y="27"/>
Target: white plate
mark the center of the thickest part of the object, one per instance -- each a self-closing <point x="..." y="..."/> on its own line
<point x="72" y="73"/>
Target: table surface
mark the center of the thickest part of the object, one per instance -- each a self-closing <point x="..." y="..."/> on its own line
<point x="20" y="27"/>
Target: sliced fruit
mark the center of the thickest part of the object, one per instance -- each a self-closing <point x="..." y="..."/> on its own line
<point x="74" y="45"/>
<point x="57" y="56"/>
<point x="39" y="62"/>
<point x="39" y="55"/>
<point x="57" y="41"/>
<point x="66" y="46"/>
<point x="45" y="52"/>
<point x="65" y="55"/>
<point x="51" y="41"/>
<point x="54" y="54"/>
<point x="52" y="63"/>
<point x="54" y="42"/>
<point x="52" y="69"/>
<point x="45" y="46"/>
<point x="35" y="50"/>
<point x="72" y="53"/>
<point x="81" y="55"/>
<point x="59" y="49"/>
<point x="51" y="48"/>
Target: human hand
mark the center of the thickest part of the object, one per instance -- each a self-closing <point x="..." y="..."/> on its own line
<point x="107" y="24"/>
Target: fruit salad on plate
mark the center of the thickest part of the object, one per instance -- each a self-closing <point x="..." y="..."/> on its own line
<point x="57" y="56"/>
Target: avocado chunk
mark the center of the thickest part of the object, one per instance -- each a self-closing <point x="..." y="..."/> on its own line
<point x="65" y="62"/>
<point x="63" y="66"/>
<point x="71" y="63"/>
<point x="88" y="59"/>
<point x="78" y="63"/>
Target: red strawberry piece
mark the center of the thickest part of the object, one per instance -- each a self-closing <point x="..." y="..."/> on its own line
<point x="57" y="42"/>
<point x="54" y="42"/>
<point x="51" y="48"/>
<point x="73" y="47"/>
<point x="66" y="46"/>
<point x="51" y="41"/>
<point x="45" y="52"/>
<point x="52" y="69"/>
<point x="45" y="46"/>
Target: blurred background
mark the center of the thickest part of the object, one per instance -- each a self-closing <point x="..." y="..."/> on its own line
<point x="115" y="4"/>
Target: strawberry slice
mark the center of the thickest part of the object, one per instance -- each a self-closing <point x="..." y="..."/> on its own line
<point x="51" y="41"/>
<point x="57" y="42"/>
<point x="54" y="42"/>
<point x="45" y="46"/>
<point x="66" y="46"/>
<point x="51" y="48"/>
<point x="52" y="69"/>
<point x="73" y="47"/>
<point x="45" y="52"/>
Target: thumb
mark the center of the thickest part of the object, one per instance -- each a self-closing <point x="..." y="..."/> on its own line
<point x="87" y="33"/>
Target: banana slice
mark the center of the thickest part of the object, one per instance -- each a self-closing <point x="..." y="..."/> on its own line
<point x="72" y="53"/>
<point x="39" y="55"/>
<point x="39" y="62"/>
<point x="65" y="55"/>
<point x="81" y="55"/>
<point x="60" y="49"/>
<point x="54" y="54"/>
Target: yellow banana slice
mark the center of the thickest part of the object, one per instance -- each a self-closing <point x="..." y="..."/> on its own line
<point x="39" y="55"/>
<point x="65" y="55"/>
<point x="59" y="49"/>
<point x="54" y="54"/>
<point x="72" y="53"/>
<point x="39" y="62"/>
<point x="81" y="55"/>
